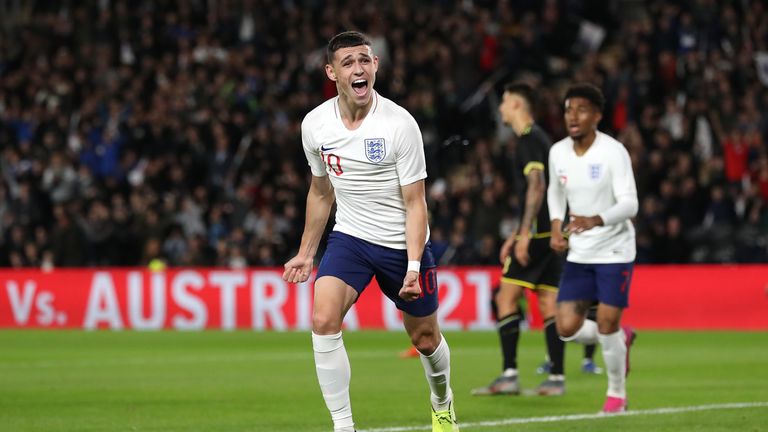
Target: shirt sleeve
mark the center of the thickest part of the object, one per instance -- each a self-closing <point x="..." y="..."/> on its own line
<point x="311" y="152"/>
<point x="409" y="152"/>
<point x="556" y="199"/>
<point x="624" y="190"/>
<point x="531" y="154"/>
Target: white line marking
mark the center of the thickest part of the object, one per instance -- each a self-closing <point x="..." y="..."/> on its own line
<point x="574" y="417"/>
<point x="253" y="356"/>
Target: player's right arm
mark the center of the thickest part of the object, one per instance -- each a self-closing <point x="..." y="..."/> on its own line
<point x="558" y="242"/>
<point x="556" y="203"/>
<point x="506" y="247"/>
<point x="319" y="202"/>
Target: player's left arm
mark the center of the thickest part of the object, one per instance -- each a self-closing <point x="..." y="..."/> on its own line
<point x="415" y="235"/>
<point x="624" y="192"/>
<point x="534" y="197"/>
<point x="412" y="170"/>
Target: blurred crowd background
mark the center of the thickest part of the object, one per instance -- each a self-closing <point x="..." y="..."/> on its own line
<point x="133" y="131"/>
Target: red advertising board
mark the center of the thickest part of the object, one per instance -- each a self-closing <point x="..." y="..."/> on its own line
<point x="674" y="297"/>
<point x="699" y="297"/>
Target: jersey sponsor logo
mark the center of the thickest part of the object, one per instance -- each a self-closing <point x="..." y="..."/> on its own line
<point x="375" y="149"/>
<point x="594" y="171"/>
<point x="325" y="149"/>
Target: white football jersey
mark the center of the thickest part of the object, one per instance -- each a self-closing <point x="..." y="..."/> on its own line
<point x="367" y="167"/>
<point x="593" y="184"/>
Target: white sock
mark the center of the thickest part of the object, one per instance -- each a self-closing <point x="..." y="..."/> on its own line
<point x="437" y="368"/>
<point x="333" y="374"/>
<point x="586" y="335"/>
<point x="615" y="358"/>
<point x="509" y="373"/>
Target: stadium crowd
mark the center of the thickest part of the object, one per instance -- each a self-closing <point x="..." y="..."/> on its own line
<point x="132" y="131"/>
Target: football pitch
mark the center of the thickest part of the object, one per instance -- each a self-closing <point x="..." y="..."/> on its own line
<point x="246" y="381"/>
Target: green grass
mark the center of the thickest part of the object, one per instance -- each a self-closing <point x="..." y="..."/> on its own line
<point x="243" y="381"/>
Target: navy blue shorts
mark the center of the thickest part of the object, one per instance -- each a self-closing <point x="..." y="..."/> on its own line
<point x="357" y="261"/>
<point x="605" y="283"/>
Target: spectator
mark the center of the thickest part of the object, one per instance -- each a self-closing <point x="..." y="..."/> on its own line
<point x="191" y="117"/>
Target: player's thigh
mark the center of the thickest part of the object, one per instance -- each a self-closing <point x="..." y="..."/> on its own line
<point x="333" y="298"/>
<point x="507" y="298"/>
<point x="347" y="258"/>
<point x="516" y="278"/>
<point x="547" y="302"/>
<point x="613" y="281"/>
<point x="342" y="275"/>
<point x="548" y="284"/>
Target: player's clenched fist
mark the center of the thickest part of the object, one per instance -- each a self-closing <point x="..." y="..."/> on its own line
<point x="411" y="289"/>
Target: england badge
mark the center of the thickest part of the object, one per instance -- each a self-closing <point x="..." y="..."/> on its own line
<point x="375" y="149"/>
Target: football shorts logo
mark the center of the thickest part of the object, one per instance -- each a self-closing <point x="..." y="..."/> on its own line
<point x="594" y="171"/>
<point x="375" y="149"/>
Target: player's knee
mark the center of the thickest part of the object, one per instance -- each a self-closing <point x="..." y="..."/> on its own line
<point x="566" y="329"/>
<point x="507" y="310"/>
<point x="325" y="323"/>
<point x="425" y="341"/>
<point x="607" y="326"/>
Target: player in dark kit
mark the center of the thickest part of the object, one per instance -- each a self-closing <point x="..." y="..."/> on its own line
<point x="529" y="262"/>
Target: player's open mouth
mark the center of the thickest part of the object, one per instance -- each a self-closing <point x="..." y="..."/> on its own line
<point x="573" y="128"/>
<point x="360" y="86"/>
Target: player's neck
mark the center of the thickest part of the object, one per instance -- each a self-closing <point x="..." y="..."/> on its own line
<point x="584" y="142"/>
<point x="353" y="115"/>
<point x="522" y="124"/>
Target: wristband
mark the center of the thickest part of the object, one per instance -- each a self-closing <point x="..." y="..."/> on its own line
<point x="414" y="266"/>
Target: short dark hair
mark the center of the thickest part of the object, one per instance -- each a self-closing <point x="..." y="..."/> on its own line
<point x="345" y="40"/>
<point x="525" y="91"/>
<point x="589" y="92"/>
